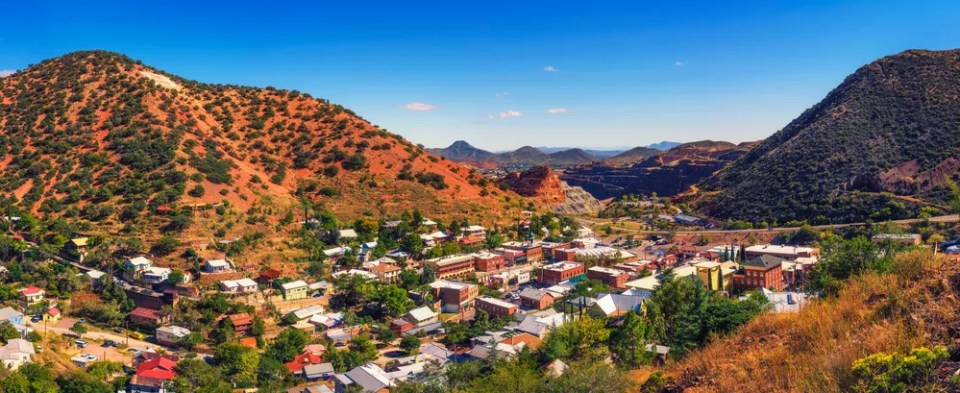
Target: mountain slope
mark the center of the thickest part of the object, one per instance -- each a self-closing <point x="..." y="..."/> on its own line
<point x="523" y="158"/>
<point x="883" y="139"/>
<point x="631" y="156"/>
<point x="461" y="151"/>
<point x="97" y="136"/>
<point x="664" y="145"/>
<point x="666" y="173"/>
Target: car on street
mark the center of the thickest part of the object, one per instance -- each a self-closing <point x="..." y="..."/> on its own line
<point x="81" y="321"/>
<point x="36" y="319"/>
<point x="110" y="343"/>
<point x="80" y="343"/>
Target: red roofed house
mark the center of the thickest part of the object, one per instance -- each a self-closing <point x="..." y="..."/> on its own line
<point x="242" y="323"/>
<point x="312" y="354"/>
<point x="32" y="294"/>
<point x="52" y="315"/>
<point x="267" y="276"/>
<point x="153" y="375"/>
<point x="148" y="317"/>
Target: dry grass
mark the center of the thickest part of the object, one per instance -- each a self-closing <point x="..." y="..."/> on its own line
<point x="811" y="351"/>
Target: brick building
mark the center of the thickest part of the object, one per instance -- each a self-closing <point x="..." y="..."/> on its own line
<point x="461" y="265"/>
<point x="495" y="307"/>
<point x="556" y="273"/>
<point x="614" y="278"/>
<point x="489" y="262"/>
<point x="764" y="271"/>
<point x="533" y="251"/>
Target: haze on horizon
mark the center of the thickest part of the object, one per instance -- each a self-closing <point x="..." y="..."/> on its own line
<point x="503" y="74"/>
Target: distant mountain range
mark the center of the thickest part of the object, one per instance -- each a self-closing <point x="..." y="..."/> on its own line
<point x="555" y="157"/>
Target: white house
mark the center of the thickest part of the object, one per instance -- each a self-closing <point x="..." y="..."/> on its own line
<point x="421" y="316"/>
<point x="134" y="267"/>
<point x="217" y="266"/>
<point x="155" y="275"/>
<point x="16" y="353"/>
<point x="171" y="335"/>
<point x="242" y="285"/>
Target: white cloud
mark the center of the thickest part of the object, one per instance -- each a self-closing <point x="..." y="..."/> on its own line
<point x="510" y="113"/>
<point x="503" y="94"/>
<point x="419" y="106"/>
<point x="556" y="111"/>
<point x="5" y="73"/>
<point x="680" y="63"/>
<point x="550" y="68"/>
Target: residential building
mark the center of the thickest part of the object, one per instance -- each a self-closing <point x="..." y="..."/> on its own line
<point x="386" y="273"/>
<point x="495" y="307"/>
<point x="317" y="372"/>
<point x="537" y="299"/>
<point x="355" y="272"/>
<point x="155" y="275"/>
<point x="433" y="239"/>
<point x="96" y="279"/>
<point x="243" y="285"/>
<point x="78" y="244"/>
<point x="153" y="375"/>
<point x="764" y="271"/>
<point x="148" y="317"/>
<point x="32" y="294"/>
<point x="171" y="335"/>
<point x="216" y="266"/>
<point x="311" y="355"/>
<point x="489" y="262"/>
<point x="906" y="239"/>
<point x="369" y="378"/>
<point x="614" y="278"/>
<point x="615" y="305"/>
<point x="307" y="312"/>
<point x="133" y="268"/>
<point x="559" y="272"/>
<point x="453" y="296"/>
<point x="9" y="314"/>
<point x="460" y="265"/>
<point x="540" y="325"/>
<point x="473" y="234"/>
<point x="266" y="277"/>
<point x="533" y="251"/>
<point x="421" y="316"/>
<point x="52" y="315"/>
<point x="16" y="353"/>
<point x="242" y="323"/>
<point x="400" y="326"/>
<point x="294" y="290"/>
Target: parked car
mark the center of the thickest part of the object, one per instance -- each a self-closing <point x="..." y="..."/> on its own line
<point x="80" y="343"/>
<point x="36" y="319"/>
<point x="39" y="348"/>
<point x="135" y="352"/>
<point x="110" y="343"/>
<point x="137" y="335"/>
<point x="81" y="321"/>
<point x="118" y="329"/>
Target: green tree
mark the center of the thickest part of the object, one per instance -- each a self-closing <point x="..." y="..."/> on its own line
<point x="197" y="376"/>
<point x="237" y="362"/>
<point x="627" y="342"/>
<point x="410" y="344"/>
<point x="287" y="345"/>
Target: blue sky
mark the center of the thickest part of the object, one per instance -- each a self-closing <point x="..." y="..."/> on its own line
<point x="505" y="74"/>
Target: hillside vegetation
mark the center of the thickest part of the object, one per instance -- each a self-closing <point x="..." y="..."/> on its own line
<point x="97" y="137"/>
<point x="881" y="145"/>
<point x="887" y="315"/>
